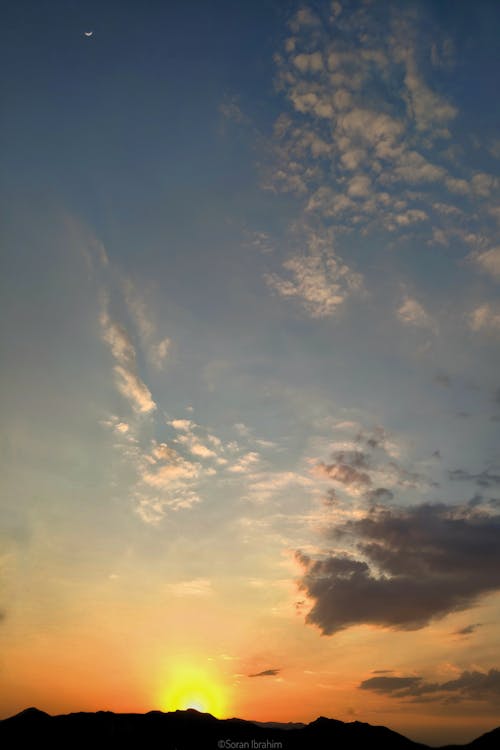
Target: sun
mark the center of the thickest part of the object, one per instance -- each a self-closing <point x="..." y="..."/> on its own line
<point x="191" y="687"/>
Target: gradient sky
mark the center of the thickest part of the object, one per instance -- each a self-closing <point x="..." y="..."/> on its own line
<point x="250" y="351"/>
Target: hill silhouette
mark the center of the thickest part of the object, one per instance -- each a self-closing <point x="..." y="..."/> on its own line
<point x="192" y="730"/>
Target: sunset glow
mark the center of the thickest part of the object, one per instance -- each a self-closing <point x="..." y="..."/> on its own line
<point x="250" y="347"/>
<point x="189" y="687"/>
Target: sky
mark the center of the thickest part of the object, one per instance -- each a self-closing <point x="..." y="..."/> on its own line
<point x="250" y="351"/>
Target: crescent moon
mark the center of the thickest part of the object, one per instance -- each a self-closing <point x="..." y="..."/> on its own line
<point x="88" y="33"/>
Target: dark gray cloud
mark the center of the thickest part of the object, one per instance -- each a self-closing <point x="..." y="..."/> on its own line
<point x="377" y="438"/>
<point x="382" y="671"/>
<point x="468" y="629"/>
<point x="357" y="469"/>
<point x="357" y="459"/>
<point x="266" y="673"/>
<point x="380" y="495"/>
<point x="476" y="500"/>
<point x="473" y="685"/>
<point x="483" y="479"/>
<point x="409" y="566"/>
<point x="344" y="473"/>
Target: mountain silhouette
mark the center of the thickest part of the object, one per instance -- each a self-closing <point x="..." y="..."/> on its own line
<point x="192" y="730"/>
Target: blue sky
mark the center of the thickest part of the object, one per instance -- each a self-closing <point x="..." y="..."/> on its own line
<point x="250" y="343"/>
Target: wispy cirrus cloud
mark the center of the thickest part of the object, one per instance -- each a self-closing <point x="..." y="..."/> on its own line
<point x="127" y="378"/>
<point x="157" y="349"/>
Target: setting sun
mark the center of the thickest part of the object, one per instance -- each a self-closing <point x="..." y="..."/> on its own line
<point x="190" y="687"/>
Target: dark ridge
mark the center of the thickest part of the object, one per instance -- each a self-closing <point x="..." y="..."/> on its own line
<point x="484" y="742"/>
<point x="193" y="730"/>
<point x="30" y="714"/>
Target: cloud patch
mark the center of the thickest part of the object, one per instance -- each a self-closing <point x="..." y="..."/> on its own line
<point x="407" y="567"/>
<point x="320" y="281"/>
<point x="127" y="378"/>
<point x="266" y="673"/>
<point x="470" y="685"/>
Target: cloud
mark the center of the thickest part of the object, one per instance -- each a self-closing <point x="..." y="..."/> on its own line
<point x="345" y="473"/>
<point x="231" y="110"/>
<point x="127" y="379"/>
<point x="428" y="109"/>
<point x="167" y="481"/>
<point x="266" y="673"/>
<point x="470" y="685"/>
<point x="380" y="495"/>
<point x="468" y="629"/>
<point x="483" y="479"/>
<point x="407" y="567"/>
<point x="488" y="261"/>
<point x="156" y="351"/>
<point x="182" y="424"/>
<point x="367" y="473"/>
<point x="388" y="685"/>
<point x="169" y="467"/>
<point x="412" y="313"/>
<point x="134" y="389"/>
<point x="198" y="587"/>
<point x="159" y="352"/>
<point x="485" y="317"/>
<point x="311" y="63"/>
<point x="246" y="463"/>
<point x="359" y="141"/>
<point x="198" y="449"/>
<point x="319" y="280"/>
<point x="264" y="485"/>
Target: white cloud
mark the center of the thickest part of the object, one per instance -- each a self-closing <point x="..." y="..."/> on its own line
<point x="134" y="389"/>
<point x="246" y="463"/>
<point x="489" y="261"/>
<point x="127" y="379"/>
<point x="198" y="449"/>
<point x="117" y="339"/>
<point x="181" y="424"/>
<point x="320" y="281"/>
<point x="412" y="313"/>
<point x="264" y="485"/>
<point x="485" y="317"/>
<point x="155" y="350"/>
<point x="159" y="352"/>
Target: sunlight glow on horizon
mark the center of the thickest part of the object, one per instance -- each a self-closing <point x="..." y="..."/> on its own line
<point x="192" y="687"/>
